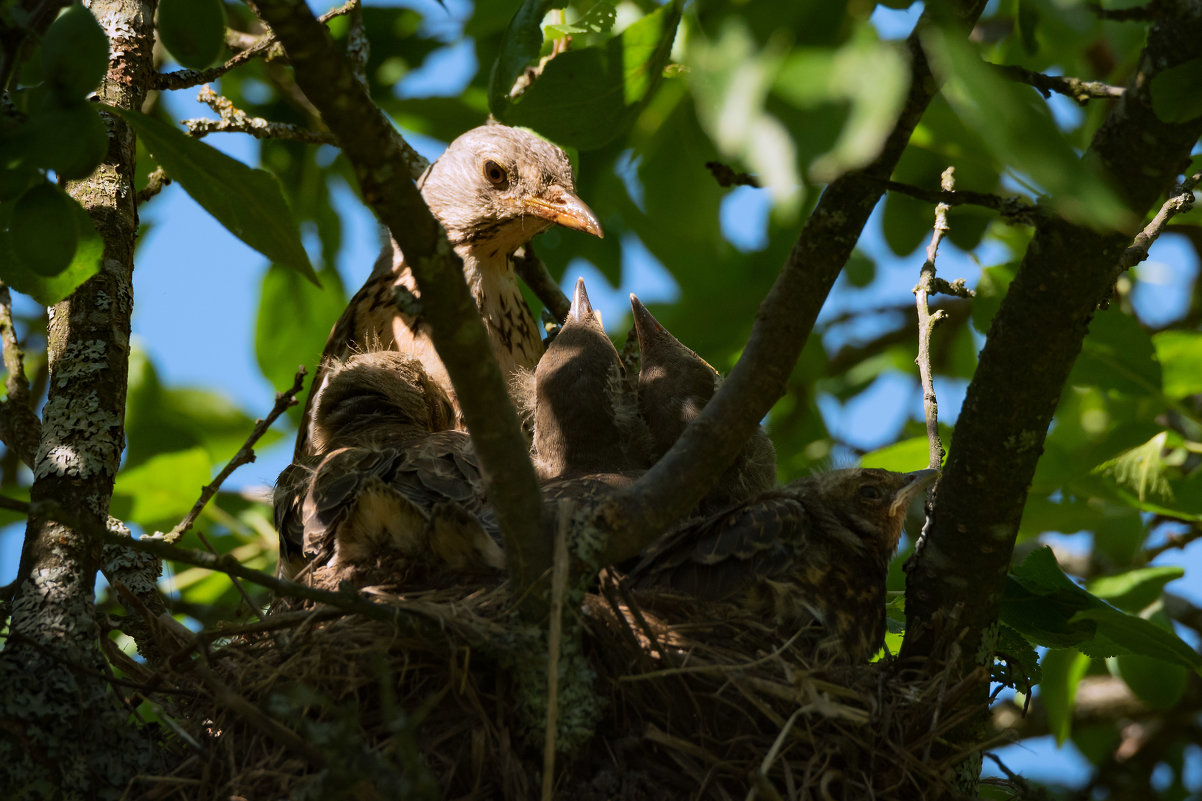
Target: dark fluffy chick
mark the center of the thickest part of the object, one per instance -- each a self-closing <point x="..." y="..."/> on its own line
<point x="674" y="386"/>
<point x="387" y="482"/>
<point x="811" y="555"/>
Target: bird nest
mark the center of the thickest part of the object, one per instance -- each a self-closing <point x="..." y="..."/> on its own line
<point x="662" y="699"/>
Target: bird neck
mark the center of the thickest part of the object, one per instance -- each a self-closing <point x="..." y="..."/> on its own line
<point x="492" y="280"/>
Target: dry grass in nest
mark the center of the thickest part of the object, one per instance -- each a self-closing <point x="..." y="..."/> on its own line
<point x="695" y="704"/>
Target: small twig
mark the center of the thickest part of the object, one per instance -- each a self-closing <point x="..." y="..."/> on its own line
<point x="927" y="323"/>
<point x="532" y="270"/>
<point x="762" y="782"/>
<point x="1013" y="209"/>
<point x="154" y="184"/>
<point x="14" y="505"/>
<point x="245" y="455"/>
<point x="1174" y="542"/>
<point x="235" y="120"/>
<point x="1079" y="90"/>
<point x="726" y="175"/>
<point x="358" y="48"/>
<point x="1181" y="201"/>
<point x="266" y="46"/>
<point x="1149" y="11"/>
<point x="559" y="586"/>
<point x="20" y="427"/>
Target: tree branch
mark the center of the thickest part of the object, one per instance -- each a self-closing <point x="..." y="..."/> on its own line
<point x="264" y="46"/>
<point x="245" y="455"/>
<point x="235" y="120"/>
<point x="1079" y="90"/>
<point x="80" y="719"/>
<point x="955" y="582"/>
<point x="1181" y="201"/>
<point x="692" y="466"/>
<point x="1013" y="209"/>
<point x="535" y="274"/>
<point x="20" y="428"/>
<point x="381" y="159"/>
<point x="927" y="323"/>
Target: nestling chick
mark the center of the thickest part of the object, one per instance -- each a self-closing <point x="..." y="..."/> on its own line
<point x="585" y="421"/>
<point x="675" y="384"/>
<point x="811" y="554"/>
<point x="386" y="482"/>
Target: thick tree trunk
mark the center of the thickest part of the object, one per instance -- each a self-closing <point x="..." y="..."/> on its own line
<point x="67" y="733"/>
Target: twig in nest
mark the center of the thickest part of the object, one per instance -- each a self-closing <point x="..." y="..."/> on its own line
<point x="1181" y="201"/>
<point x="235" y="120"/>
<point x="725" y="175"/>
<point x="266" y="46"/>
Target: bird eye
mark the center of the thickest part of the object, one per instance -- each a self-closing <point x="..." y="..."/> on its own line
<point x="870" y="492"/>
<point x="495" y="174"/>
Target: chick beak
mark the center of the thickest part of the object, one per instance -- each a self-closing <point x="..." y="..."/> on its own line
<point x="646" y="327"/>
<point x="918" y="482"/>
<point x="582" y="309"/>
<point x="563" y="208"/>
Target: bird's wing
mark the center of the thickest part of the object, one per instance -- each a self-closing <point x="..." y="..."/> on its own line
<point x="726" y="553"/>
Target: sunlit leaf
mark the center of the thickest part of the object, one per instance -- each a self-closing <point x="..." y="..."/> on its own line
<point x="1030" y="140"/>
<point x="1117" y="355"/>
<point x="1177" y="92"/>
<point x="519" y="49"/>
<point x="902" y="457"/>
<point x="49" y="290"/>
<point x="598" y="19"/>
<point x="589" y="96"/>
<point x="247" y="202"/>
<point x="1062" y="670"/>
<point x="293" y="322"/>
<point x="1180" y="356"/>
<point x="1135" y="589"/>
<point x="158" y="493"/>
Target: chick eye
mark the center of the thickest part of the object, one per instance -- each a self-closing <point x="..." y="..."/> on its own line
<point x="495" y="174"/>
<point x="870" y="493"/>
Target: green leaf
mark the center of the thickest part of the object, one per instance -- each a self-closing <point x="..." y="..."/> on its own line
<point x="519" y="49"/>
<point x="598" y="19"/>
<point x="992" y="287"/>
<point x="1029" y="141"/>
<point x="902" y="457"/>
<point x="1180" y="356"/>
<point x="1050" y="609"/>
<point x="1135" y="589"/>
<point x="293" y="322"/>
<point x="1140" y="470"/>
<point x="1062" y="670"/>
<point x="1018" y="655"/>
<point x="70" y="140"/>
<point x="1117" y="355"/>
<point x="192" y="30"/>
<point x="1158" y="684"/>
<point x="49" y="290"/>
<point x="247" y="202"/>
<point x="1177" y="92"/>
<point x="75" y="53"/>
<point x="588" y="97"/>
<point x="158" y="493"/>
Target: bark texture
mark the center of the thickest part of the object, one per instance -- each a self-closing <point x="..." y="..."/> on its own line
<point x="66" y="733"/>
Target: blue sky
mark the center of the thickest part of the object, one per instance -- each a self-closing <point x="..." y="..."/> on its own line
<point x="196" y="290"/>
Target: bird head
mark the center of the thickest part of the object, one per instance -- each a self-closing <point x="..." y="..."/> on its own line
<point x="374" y="394"/>
<point x="868" y="502"/>
<point x="498" y="186"/>
<point x="674" y="382"/>
<point x="578" y="387"/>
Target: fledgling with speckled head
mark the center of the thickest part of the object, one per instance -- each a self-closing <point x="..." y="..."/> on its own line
<point x="674" y="385"/>
<point x="386" y="483"/>
<point x="812" y="556"/>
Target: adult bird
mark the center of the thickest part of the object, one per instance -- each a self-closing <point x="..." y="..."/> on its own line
<point x="674" y="385"/>
<point x="811" y="556"/>
<point x="493" y="189"/>
<point x="388" y="484"/>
